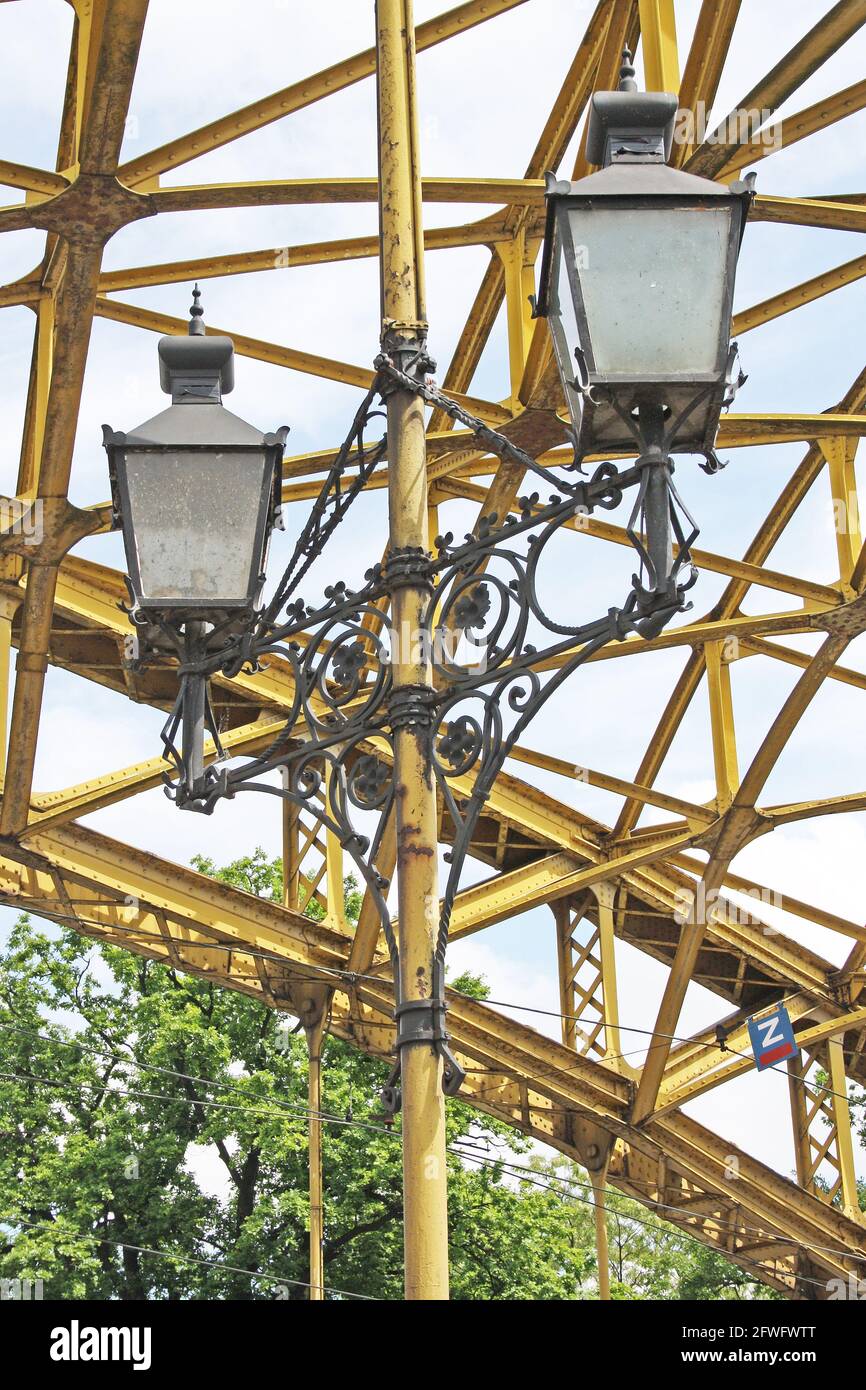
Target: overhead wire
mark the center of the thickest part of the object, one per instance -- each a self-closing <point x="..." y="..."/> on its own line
<point x="502" y="1004"/>
<point x="538" y="1181"/>
<point x="193" y="1259"/>
<point x="351" y="975"/>
<point x="382" y="1129"/>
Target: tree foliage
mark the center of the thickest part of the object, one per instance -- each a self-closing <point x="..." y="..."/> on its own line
<point x="153" y="1143"/>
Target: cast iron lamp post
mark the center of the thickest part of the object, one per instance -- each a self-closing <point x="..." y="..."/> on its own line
<point x="637" y="282"/>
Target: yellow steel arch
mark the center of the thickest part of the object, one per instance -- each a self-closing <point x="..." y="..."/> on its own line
<point x="602" y="882"/>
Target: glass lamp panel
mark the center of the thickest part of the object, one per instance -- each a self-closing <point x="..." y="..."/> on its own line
<point x="655" y="287"/>
<point x="563" y="298"/>
<point x="563" y="327"/>
<point x="194" y="518"/>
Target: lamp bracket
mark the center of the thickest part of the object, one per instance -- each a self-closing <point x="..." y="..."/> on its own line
<point x="497" y="656"/>
<point x="407" y="566"/>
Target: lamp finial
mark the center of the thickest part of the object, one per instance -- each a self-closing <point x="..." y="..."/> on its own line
<point x="196" y="326"/>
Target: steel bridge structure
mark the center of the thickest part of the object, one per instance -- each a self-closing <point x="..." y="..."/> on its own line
<point x="602" y="882"/>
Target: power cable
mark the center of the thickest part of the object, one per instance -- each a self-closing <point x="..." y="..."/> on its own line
<point x="500" y="1003"/>
<point x="538" y="1181"/>
<point x="191" y="1259"/>
<point x="355" y="1124"/>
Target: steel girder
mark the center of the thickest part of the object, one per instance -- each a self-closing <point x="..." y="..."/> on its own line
<point x="113" y="893"/>
<point x="624" y="880"/>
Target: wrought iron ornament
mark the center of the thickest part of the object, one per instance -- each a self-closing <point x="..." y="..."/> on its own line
<point x="496" y="656"/>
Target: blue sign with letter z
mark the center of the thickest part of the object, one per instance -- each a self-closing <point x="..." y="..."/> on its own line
<point x="772" y="1038"/>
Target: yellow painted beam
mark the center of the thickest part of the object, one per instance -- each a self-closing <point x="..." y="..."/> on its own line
<point x="807" y="55"/>
<point x="809" y="212"/>
<point x="737" y="826"/>
<point x="799" y="295"/>
<point x="823" y="594"/>
<point x="549" y="151"/>
<point x="842" y="1119"/>
<point x="722" y="724"/>
<point x="261" y="351"/>
<point x="658" y="34"/>
<point x="769" y="428"/>
<point x="697" y="633"/>
<point x="839" y="454"/>
<point x="301" y="94"/>
<point x="707" y="55"/>
<point x="527" y="193"/>
<point x="5" y="670"/>
<point x="112" y="43"/>
<point x="40" y="383"/>
<point x="605" y="895"/>
<point x="74" y="307"/>
<point x="519" y="285"/>
<point x="58" y="807"/>
<point x="822" y="806"/>
<point x="768" y="534"/>
<point x="761" y="894"/>
<point x="698" y="1064"/>
<point x="288" y="257"/>
<point x="622" y="27"/>
<point x="556" y="876"/>
<point x="25" y="291"/>
<point x="787" y="132"/>
<point x="689" y="810"/>
<point x="541" y="387"/>
<point x="35" y="180"/>
<point x="697" y="1070"/>
<point x="754" y="646"/>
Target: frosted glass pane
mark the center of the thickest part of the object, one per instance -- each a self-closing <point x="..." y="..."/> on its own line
<point x="195" y="518"/>
<point x="653" y="282"/>
<point x="565" y="307"/>
<point x="564" y="331"/>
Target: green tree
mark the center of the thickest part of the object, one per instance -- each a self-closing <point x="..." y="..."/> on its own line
<point x="123" y="1083"/>
<point x="857" y="1102"/>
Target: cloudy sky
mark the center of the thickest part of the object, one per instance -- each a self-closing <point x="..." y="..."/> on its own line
<point x="484" y="98"/>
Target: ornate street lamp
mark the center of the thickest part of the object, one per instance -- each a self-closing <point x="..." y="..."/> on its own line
<point x="645" y="319"/>
<point x="637" y="284"/>
<point x="196" y="491"/>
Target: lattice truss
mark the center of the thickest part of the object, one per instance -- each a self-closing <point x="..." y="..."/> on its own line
<point x="604" y="883"/>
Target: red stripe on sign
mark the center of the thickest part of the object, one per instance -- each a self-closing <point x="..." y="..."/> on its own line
<point x="777" y="1054"/>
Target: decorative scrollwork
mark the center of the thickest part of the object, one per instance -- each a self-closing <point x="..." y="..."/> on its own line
<point x="495" y="652"/>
